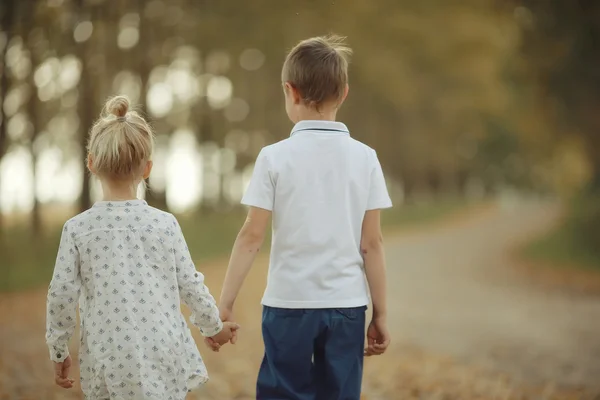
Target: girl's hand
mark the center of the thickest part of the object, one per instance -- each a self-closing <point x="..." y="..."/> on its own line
<point x="61" y="373"/>
<point x="211" y="344"/>
<point x="215" y="342"/>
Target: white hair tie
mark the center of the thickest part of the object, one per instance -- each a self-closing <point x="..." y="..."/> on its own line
<point x="122" y="119"/>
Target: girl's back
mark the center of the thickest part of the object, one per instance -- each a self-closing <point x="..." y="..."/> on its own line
<point x="128" y="267"/>
<point x="126" y="259"/>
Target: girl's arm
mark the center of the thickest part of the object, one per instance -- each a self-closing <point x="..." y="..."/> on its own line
<point x="245" y="248"/>
<point x="192" y="291"/>
<point x="63" y="297"/>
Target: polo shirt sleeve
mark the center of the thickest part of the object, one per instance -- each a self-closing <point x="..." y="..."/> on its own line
<point x="261" y="190"/>
<point x="379" y="197"/>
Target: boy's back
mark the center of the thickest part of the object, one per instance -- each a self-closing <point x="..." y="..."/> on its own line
<point x="322" y="183"/>
<point x="323" y="191"/>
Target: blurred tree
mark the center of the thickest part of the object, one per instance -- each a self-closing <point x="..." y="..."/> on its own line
<point x="32" y="17"/>
<point x="85" y="98"/>
<point x="442" y="84"/>
<point x="7" y="24"/>
<point x="439" y="88"/>
<point x="145" y="50"/>
<point x="561" y="42"/>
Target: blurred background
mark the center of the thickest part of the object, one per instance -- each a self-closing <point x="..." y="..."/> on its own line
<point x="484" y="114"/>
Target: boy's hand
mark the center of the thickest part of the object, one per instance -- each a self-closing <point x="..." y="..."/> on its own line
<point x="61" y="373"/>
<point x="226" y="315"/>
<point x="378" y="337"/>
<point x="226" y="335"/>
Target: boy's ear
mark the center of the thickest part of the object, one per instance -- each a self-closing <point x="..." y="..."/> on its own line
<point x="345" y="94"/>
<point x="293" y="92"/>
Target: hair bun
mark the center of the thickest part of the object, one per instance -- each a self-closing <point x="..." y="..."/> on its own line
<point x="118" y="106"/>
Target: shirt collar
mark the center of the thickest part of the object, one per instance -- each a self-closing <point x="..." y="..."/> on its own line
<point x="315" y="126"/>
<point x="124" y="203"/>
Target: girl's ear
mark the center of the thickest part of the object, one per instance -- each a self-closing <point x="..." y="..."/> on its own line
<point x="90" y="164"/>
<point x="148" y="169"/>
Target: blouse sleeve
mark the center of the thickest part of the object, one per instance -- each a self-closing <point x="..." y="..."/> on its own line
<point x="63" y="295"/>
<point x="192" y="291"/>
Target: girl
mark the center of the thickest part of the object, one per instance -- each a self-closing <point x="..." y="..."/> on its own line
<point x="128" y="266"/>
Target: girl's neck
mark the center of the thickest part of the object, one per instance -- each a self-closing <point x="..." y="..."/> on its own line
<point x="119" y="190"/>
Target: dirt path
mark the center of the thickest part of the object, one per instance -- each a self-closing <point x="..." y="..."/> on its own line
<point x="455" y="293"/>
<point x="466" y="325"/>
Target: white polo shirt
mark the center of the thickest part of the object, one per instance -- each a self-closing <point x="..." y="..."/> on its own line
<point x="318" y="183"/>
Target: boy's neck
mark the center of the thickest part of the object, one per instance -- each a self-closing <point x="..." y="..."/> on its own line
<point x="311" y="114"/>
<point x="119" y="190"/>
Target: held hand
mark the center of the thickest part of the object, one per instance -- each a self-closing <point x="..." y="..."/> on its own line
<point x="378" y="337"/>
<point x="211" y="344"/>
<point x="224" y="336"/>
<point x="61" y="373"/>
<point x="226" y="315"/>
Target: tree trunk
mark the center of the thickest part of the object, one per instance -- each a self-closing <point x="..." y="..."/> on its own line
<point x="205" y="134"/>
<point x="7" y="18"/>
<point x="85" y="102"/>
<point x="33" y="113"/>
<point x="592" y="140"/>
<point x="156" y="198"/>
<point x="32" y="110"/>
<point x="593" y="187"/>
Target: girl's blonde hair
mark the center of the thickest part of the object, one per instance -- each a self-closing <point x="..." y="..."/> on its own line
<point x="121" y="141"/>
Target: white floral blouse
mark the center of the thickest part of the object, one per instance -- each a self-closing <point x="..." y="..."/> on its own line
<point x="128" y="266"/>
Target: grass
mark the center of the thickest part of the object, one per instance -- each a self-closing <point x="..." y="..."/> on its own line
<point x="562" y="249"/>
<point x="572" y="244"/>
<point x="416" y="214"/>
<point x="27" y="261"/>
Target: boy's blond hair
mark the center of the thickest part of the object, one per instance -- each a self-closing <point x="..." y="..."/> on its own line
<point x="121" y="142"/>
<point x="318" y="69"/>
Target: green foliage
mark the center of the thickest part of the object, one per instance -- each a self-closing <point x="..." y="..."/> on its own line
<point x="27" y="260"/>
<point x="576" y="242"/>
<point x="560" y="43"/>
<point x="585" y="223"/>
<point x="415" y="214"/>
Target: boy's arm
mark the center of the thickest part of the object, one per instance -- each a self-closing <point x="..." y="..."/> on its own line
<point x="371" y="246"/>
<point x="63" y="297"/>
<point x="372" y="239"/>
<point x="192" y="291"/>
<point x="260" y="197"/>
<point x="245" y="248"/>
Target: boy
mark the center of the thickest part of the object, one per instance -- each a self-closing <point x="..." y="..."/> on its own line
<point x="324" y="191"/>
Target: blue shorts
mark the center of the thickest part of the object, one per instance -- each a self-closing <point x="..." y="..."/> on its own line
<point x="312" y="354"/>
